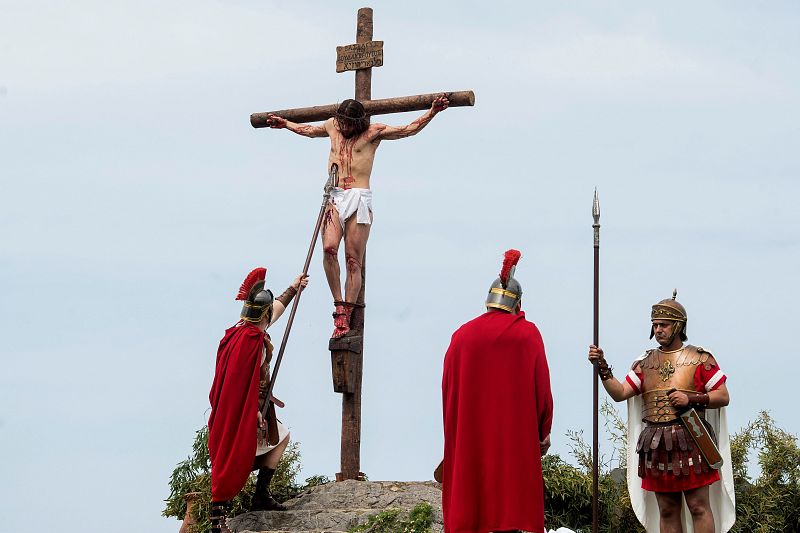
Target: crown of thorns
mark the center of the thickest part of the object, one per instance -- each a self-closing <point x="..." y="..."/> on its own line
<point x="343" y="116"/>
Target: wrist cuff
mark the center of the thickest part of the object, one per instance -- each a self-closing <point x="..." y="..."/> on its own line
<point x="699" y="399"/>
<point x="287" y="296"/>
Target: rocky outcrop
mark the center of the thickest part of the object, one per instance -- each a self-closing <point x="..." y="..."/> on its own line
<point x="337" y="507"/>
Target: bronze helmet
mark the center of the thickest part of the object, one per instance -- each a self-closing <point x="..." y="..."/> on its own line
<point x="670" y="309"/>
<point x="506" y="292"/>
<point x="257" y="300"/>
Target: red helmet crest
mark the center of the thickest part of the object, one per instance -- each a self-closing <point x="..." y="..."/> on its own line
<point x="258" y="274"/>
<point x="510" y="260"/>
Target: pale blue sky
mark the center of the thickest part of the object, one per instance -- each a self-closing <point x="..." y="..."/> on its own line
<point x="136" y="196"/>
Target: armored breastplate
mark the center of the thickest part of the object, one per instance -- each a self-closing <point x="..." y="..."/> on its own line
<point x="664" y="371"/>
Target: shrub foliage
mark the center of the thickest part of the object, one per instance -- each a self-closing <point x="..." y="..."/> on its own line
<point x="194" y="475"/>
<point x="419" y="520"/>
<point x="770" y="502"/>
<point x="766" y="503"/>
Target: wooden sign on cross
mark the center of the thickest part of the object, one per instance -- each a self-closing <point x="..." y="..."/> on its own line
<point x="346" y="352"/>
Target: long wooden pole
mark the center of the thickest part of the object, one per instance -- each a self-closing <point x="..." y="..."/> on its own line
<point x="385" y="106"/>
<point x="325" y="197"/>
<point x="595" y="377"/>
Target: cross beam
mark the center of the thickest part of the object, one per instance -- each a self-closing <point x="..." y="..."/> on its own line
<point x="400" y="104"/>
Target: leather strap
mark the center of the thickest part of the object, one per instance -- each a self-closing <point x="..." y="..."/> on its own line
<point x="287" y="296"/>
<point x="698" y="399"/>
<point x="604" y="369"/>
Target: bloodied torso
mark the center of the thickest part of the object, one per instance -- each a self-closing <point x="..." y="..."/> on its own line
<point x="354" y="156"/>
<point x="669" y="460"/>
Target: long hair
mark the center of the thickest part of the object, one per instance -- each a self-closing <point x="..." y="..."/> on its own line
<point x="352" y="113"/>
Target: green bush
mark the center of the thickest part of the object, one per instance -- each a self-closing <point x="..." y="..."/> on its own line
<point x="568" y="494"/>
<point x="194" y="475"/>
<point x="419" y="520"/>
<point x="772" y="501"/>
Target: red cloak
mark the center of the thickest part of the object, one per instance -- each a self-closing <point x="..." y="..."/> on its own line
<point x="497" y="407"/>
<point x="232" y="425"/>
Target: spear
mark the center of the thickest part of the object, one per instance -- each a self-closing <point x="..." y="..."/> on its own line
<point x="596" y="341"/>
<point x="329" y="185"/>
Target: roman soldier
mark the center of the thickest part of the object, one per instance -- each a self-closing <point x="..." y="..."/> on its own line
<point x="498" y="410"/>
<point x="240" y="439"/>
<point x="675" y="392"/>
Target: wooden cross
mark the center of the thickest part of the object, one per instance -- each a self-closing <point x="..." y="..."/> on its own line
<point x="346" y="352"/>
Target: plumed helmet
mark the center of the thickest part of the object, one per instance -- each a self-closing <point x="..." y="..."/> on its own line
<point x="257" y="300"/>
<point x="670" y="309"/>
<point x="506" y="292"/>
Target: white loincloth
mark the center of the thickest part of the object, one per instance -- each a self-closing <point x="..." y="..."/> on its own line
<point x="263" y="443"/>
<point x="721" y="493"/>
<point x="350" y="201"/>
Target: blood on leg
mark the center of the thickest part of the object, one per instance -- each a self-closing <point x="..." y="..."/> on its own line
<point x="331" y="238"/>
<point x="355" y="244"/>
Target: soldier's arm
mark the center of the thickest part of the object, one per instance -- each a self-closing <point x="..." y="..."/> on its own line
<point x="306" y="130"/>
<point x="618" y="390"/>
<point x="712" y="377"/>
<point x="719" y="397"/>
<point x="282" y="301"/>
<point x="391" y="133"/>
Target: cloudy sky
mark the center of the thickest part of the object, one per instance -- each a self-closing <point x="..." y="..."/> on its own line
<point x="136" y="196"/>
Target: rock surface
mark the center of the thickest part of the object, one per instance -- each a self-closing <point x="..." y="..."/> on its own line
<point x="336" y="507"/>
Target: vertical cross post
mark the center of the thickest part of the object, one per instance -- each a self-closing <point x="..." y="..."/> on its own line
<point x="347" y="352"/>
<point x="364" y="35"/>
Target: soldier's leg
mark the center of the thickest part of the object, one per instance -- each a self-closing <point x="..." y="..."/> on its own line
<point x="272" y="457"/>
<point x="266" y="464"/>
<point x="700" y="507"/>
<point x="217" y="515"/>
<point x="669" y="507"/>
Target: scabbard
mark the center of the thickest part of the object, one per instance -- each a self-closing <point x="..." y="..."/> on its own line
<point x="272" y="425"/>
<point x="702" y="438"/>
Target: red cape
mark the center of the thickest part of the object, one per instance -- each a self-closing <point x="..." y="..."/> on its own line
<point x="234" y="406"/>
<point x="497" y="407"/>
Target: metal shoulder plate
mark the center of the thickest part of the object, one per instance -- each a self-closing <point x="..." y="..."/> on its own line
<point x="708" y="359"/>
<point x="641" y="358"/>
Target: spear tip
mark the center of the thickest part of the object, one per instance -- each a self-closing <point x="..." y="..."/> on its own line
<point x="596" y="207"/>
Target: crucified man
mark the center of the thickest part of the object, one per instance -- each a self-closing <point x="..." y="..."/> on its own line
<point x="353" y="144"/>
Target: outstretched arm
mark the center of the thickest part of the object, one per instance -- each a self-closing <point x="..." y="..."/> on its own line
<point x="400" y="132"/>
<point x="306" y="130"/>
<point x="282" y="301"/>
